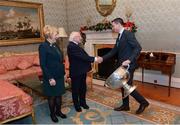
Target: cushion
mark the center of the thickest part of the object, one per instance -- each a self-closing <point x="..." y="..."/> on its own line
<point x="36" y="61"/>
<point x="10" y="63"/>
<point x="7" y="76"/>
<point x="24" y="64"/>
<point x="15" y="73"/>
<point x="2" y="69"/>
<point x="28" y="58"/>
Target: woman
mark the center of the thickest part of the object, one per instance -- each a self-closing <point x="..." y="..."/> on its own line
<point x="51" y="62"/>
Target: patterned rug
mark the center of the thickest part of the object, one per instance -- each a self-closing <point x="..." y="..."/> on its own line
<point x="102" y="101"/>
<point x="98" y="114"/>
<point x="157" y="112"/>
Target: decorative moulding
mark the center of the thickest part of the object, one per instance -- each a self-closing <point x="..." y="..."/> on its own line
<point x="93" y="35"/>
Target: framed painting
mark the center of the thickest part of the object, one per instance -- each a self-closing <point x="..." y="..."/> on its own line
<point x="21" y="23"/>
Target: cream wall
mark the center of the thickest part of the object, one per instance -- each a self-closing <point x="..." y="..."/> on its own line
<point x="157" y="21"/>
<point x="54" y="14"/>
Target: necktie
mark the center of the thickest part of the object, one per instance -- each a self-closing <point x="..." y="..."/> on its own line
<point x="119" y="37"/>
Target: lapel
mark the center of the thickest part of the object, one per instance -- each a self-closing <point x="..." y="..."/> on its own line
<point x="54" y="49"/>
<point x="120" y="39"/>
<point x="122" y="42"/>
<point x="78" y="46"/>
<point x="74" y="44"/>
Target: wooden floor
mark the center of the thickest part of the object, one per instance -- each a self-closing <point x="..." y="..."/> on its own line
<point x="159" y="93"/>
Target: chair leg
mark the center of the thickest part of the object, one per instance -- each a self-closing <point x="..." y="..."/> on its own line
<point x="33" y="116"/>
<point x="90" y="77"/>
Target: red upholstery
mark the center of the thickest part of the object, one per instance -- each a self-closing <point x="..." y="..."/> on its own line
<point x="10" y="62"/>
<point x="2" y="69"/>
<point x="24" y="64"/>
<point x="19" y="65"/>
<point x="13" y="101"/>
<point x="7" y="76"/>
<point x="36" y="61"/>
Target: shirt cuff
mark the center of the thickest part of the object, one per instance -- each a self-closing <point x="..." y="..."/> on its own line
<point x="95" y="60"/>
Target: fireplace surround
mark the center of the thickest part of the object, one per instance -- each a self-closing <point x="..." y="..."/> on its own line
<point x="98" y="44"/>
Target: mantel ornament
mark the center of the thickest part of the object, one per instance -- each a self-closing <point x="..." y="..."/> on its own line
<point x="105" y="7"/>
<point x="106" y="25"/>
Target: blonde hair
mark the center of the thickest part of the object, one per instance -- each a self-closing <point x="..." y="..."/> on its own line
<point x="48" y="30"/>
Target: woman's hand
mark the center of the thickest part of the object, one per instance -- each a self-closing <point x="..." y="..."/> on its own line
<point x="52" y="82"/>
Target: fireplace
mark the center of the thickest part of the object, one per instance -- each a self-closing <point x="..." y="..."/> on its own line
<point x="103" y="70"/>
<point x="99" y="44"/>
<point x="106" y="68"/>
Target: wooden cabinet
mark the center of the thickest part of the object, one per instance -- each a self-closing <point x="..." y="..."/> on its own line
<point x="164" y="62"/>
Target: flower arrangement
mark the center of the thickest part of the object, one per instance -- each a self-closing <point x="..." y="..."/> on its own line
<point x="98" y="27"/>
<point x="130" y="26"/>
<point x="105" y="25"/>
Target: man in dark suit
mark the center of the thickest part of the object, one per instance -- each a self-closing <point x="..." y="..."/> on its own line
<point x="128" y="49"/>
<point x="80" y="64"/>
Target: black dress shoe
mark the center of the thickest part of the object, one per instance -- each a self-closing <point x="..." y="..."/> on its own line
<point x="142" y="108"/>
<point x="85" y="106"/>
<point x="122" y="108"/>
<point x="54" y="118"/>
<point x="78" y="109"/>
<point x="61" y="115"/>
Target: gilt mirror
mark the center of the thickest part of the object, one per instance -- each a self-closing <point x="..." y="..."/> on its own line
<point x="105" y="7"/>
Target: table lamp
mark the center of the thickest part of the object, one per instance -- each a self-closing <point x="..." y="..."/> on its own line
<point x="62" y="35"/>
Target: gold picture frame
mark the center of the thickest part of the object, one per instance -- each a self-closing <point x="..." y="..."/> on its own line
<point x="21" y="23"/>
<point x="105" y="7"/>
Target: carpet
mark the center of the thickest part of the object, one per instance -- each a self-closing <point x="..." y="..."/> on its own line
<point x="97" y="114"/>
<point x="102" y="101"/>
<point x="157" y="112"/>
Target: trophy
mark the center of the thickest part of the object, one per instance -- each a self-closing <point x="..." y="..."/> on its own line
<point x="118" y="79"/>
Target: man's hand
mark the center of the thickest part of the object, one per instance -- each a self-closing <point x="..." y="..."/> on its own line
<point x="99" y="59"/>
<point x="52" y="82"/>
<point x="127" y="62"/>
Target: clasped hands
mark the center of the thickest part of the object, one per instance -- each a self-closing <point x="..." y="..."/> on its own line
<point x="98" y="59"/>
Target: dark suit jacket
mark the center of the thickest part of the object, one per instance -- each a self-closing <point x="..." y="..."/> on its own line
<point x="51" y="61"/>
<point x="79" y="60"/>
<point x="126" y="48"/>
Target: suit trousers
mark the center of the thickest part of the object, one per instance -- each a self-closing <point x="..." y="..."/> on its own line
<point x="135" y="94"/>
<point x="79" y="89"/>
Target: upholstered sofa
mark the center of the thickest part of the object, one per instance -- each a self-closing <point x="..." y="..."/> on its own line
<point x="14" y="103"/>
<point x="14" y="66"/>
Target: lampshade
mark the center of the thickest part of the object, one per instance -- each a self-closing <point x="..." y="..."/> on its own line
<point x="62" y="32"/>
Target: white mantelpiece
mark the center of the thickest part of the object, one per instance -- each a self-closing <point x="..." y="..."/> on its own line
<point x="107" y="37"/>
<point x="103" y="37"/>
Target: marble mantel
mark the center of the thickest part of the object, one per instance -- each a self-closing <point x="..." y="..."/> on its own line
<point x="100" y="37"/>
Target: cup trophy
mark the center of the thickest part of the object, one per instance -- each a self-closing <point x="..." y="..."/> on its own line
<point x="118" y="79"/>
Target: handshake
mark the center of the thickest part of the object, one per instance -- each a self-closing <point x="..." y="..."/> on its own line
<point x="98" y="59"/>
